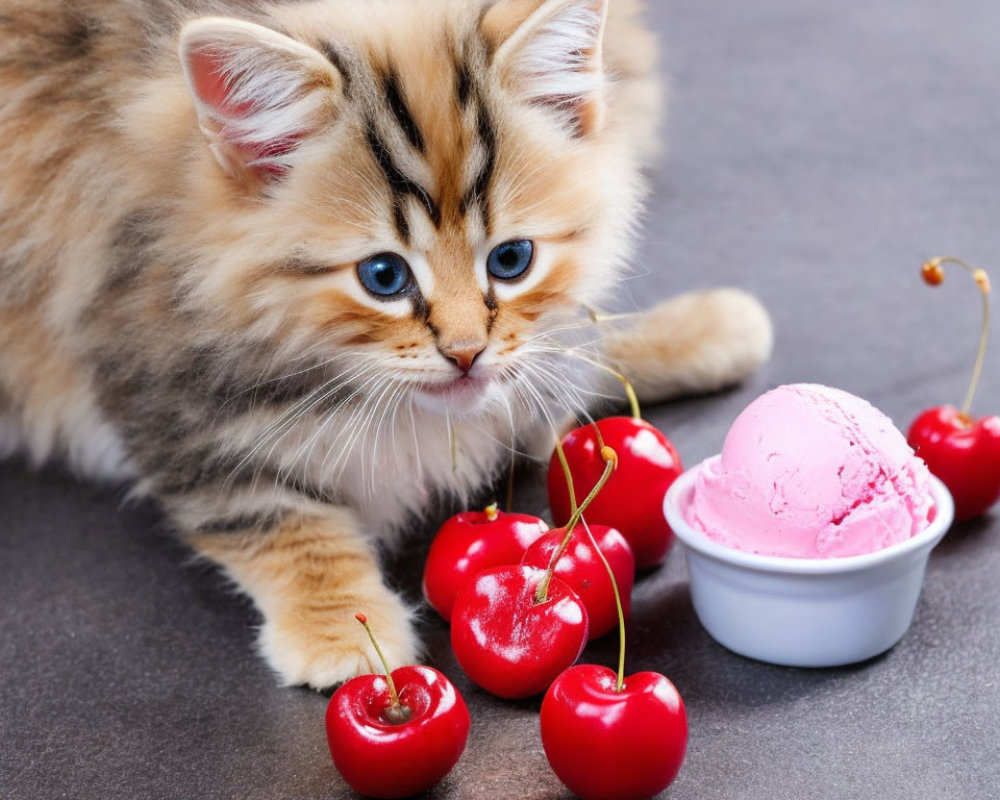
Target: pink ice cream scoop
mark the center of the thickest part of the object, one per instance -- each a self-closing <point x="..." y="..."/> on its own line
<point x="812" y="472"/>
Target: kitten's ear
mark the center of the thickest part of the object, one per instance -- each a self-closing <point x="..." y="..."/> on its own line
<point x="257" y="93"/>
<point x="549" y="53"/>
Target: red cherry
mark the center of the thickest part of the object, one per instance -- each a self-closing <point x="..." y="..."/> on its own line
<point x="507" y="641"/>
<point x="964" y="453"/>
<point x="606" y="744"/>
<point x="632" y="500"/>
<point x="395" y="743"/>
<point x="381" y="758"/>
<point x="581" y="568"/>
<point x="470" y="542"/>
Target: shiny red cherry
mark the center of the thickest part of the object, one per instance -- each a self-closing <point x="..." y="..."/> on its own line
<point x="964" y="453"/>
<point x="380" y="757"/>
<point x="581" y="568"/>
<point x="606" y="744"/>
<point x="507" y="641"/>
<point x="632" y="500"/>
<point x="396" y="734"/>
<point x="470" y="542"/>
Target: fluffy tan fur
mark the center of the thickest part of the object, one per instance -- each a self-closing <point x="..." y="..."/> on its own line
<point x="188" y="191"/>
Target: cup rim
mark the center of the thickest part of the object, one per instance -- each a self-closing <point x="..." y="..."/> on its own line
<point x="699" y="542"/>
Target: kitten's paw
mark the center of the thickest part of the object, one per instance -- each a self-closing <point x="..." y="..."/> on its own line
<point x="696" y="342"/>
<point x="738" y="337"/>
<point x="322" y="644"/>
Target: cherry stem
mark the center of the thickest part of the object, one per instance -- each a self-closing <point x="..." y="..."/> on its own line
<point x="983" y="282"/>
<point x="620" y="685"/>
<point x="568" y="475"/>
<point x="607" y="567"/>
<point x="597" y="435"/>
<point x="633" y="400"/>
<point x="396" y="712"/>
<point x="610" y="463"/>
<point x="492" y="512"/>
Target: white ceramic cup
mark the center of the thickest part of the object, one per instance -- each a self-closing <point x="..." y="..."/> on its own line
<point x="805" y="612"/>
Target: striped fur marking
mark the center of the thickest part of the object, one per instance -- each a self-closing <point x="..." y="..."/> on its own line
<point x="493" y="306"/>
<point x="335" y="57"/>
<point x="133" y="236"/>
<point x="463" y="83"/>
<point x="401" y="186"/>
<point x="478" y="192"/>
<point x="204" y="470"/>
<point x="239" y="523"/>
<point x="404" y="118"/>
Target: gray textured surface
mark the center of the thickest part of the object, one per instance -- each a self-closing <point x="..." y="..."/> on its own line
<point x="817" y="156"/>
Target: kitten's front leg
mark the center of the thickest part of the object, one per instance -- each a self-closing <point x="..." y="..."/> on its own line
<point x="690" y="344"/>
<point x="308" y="576"/>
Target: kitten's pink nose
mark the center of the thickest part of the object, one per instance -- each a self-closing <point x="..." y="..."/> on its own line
<point x="463" y="356"/>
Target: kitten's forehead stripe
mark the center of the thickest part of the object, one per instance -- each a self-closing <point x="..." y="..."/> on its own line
<point x="399" y="218"/>
<point x="478" y="192"/>
<point x="456" y="160"/>
<point x="481" y="188"/>
<point x="402" y="113"/>
<point x="400" y="184"/>
<point x="463" y="85"/>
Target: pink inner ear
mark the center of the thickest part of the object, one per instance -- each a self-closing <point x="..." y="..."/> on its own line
<point x="239" y="128"/>
<point x="209" y="81"/>
<point x="210" y="84"/>
<point x="267" y="150"/>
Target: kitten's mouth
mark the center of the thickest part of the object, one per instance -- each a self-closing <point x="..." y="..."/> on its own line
<point x="464" y="393"/>
<point x="464" y="385"/>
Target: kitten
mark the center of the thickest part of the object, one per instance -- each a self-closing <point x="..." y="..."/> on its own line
<point x="299" y="270"/>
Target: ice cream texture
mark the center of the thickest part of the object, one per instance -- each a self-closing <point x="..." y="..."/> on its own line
<point x="808" y="471"/>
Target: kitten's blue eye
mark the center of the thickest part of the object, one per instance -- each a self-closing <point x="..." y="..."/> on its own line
<point x="384" y="274"/>
<point x="511" y="259"/>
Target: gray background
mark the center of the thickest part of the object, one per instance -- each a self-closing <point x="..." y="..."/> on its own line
<point x="818" y="153"/>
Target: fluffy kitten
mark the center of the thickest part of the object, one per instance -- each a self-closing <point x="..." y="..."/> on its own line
<point x="280" y="265"/>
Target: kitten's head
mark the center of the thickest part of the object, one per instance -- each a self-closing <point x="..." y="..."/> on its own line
<point x="426" y="190"/>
